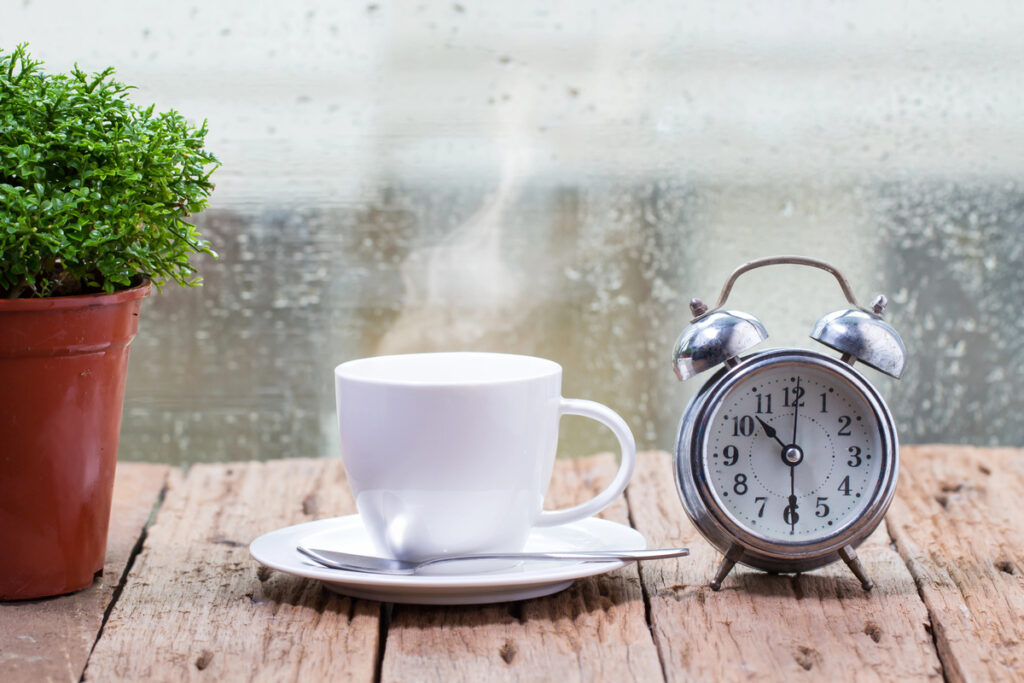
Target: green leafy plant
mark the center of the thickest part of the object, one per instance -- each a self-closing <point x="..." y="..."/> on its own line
<point x="94" y="190"/>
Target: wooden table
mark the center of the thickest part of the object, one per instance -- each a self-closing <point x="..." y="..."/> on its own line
<point x="180" y="598"/>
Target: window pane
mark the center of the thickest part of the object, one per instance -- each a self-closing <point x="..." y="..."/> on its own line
<point x="560" y="181"/>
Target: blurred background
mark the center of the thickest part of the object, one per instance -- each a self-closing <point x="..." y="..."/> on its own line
<point x="559" y="179"/>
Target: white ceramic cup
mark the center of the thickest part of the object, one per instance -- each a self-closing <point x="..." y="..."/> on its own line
<point x="451" y="453"/>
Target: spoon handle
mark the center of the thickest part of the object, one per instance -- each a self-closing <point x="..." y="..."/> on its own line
<point x="582" y="555"/>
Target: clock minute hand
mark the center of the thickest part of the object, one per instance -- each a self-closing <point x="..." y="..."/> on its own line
<point x="770" y="431"/>
<point x="797" y="393"/>
<point x="792" y="507"/>
<point x="790" y="514"/>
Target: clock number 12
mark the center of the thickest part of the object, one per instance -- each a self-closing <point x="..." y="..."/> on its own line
<point x="791" y="400"/>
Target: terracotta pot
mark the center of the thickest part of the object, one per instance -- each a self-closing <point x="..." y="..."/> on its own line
<point x="63" y="363"/>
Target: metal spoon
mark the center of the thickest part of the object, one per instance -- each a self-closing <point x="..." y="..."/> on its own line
<point x="385" y="565"/>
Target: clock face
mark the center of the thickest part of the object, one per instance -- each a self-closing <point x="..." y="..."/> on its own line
<point x="793" y="452"/>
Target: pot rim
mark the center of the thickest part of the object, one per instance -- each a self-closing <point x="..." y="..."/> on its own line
<point x="50" y="303"/>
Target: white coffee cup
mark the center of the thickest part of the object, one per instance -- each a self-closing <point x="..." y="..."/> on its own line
<point x="451" y="453"/>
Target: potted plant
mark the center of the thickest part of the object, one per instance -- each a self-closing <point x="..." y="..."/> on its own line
<point x="94" y="195"/>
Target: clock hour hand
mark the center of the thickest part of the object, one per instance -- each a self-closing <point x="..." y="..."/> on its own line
<point x="789" y="514"/>
<point x="770" y="431"/>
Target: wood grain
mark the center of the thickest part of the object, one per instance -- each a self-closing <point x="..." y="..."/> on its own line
<point x="819" y="625"/>
<point x="50" y="640"/>
<point x="594" y="630"/>
<point x="196" y="606"/>
<point x="957" y="521"/>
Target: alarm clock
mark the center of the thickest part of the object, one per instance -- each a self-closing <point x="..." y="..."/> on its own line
<point x="787" y="458"/>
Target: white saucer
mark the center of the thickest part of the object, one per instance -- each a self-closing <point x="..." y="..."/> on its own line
<point x="529" y="579"/>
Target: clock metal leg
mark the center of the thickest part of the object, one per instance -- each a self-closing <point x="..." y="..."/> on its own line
<point x="849" y="556"/>
<point x="728" y="562"/>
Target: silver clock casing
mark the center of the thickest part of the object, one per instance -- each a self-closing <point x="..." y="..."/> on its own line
<point x="719" y="527"/>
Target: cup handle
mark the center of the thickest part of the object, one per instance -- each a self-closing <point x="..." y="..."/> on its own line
<point x="611" y="419"/>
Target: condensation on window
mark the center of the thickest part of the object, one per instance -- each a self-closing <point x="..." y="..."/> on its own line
<point x="560" y="181"/>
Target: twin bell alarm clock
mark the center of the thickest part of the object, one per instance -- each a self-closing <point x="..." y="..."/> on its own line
<point x="787" y="458"/>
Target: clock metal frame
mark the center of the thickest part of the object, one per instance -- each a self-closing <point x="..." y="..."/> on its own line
<point x="729" y="536"/>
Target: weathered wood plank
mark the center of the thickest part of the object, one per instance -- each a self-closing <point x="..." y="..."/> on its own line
<point x="196" y="606"/>
<point x="818" y="625"/>
<point x="957" y="521"/>
<point x="594" y="630"/>
<point x="50" y="640"/>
